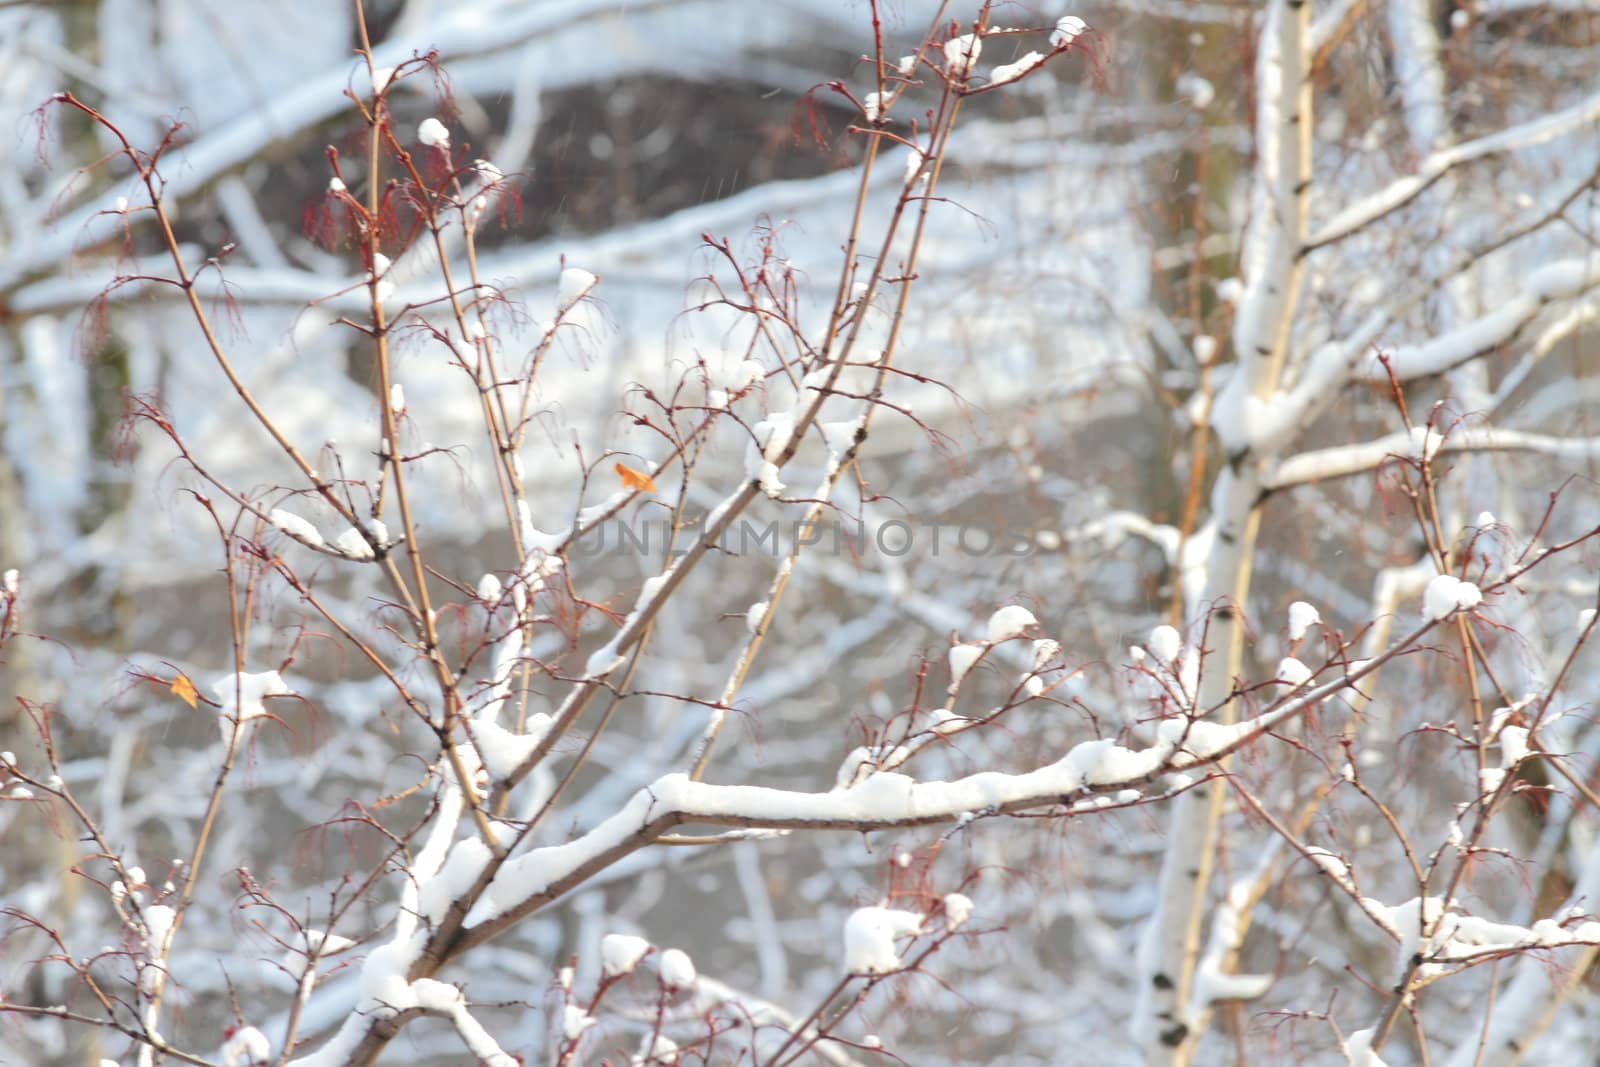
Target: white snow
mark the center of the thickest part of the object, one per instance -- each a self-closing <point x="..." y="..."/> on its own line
<point x="621" y="953"/>
<point x="1446" y="593"/>
<point x="1406" y="919"/>
<point x="248" y="1047"/>
<point x="1200" y="739"/>
<point x="867" y="760"/>
<point x="603" y="661"/>
<point x="650" y="590"/>
<point x="1426" y="442"/>
<point x="574" y="284"/>
<point x="242" y="696"/>
<point x="962" y="657"/>
<point x="677" y="969"/>
<point x="1292" y="672"/>
<point x="324" y="944"/>
<point x="1551" y="281"/>
<point x="1265" y="424"/>
<point x="318" y="943"/>
<point x="434" y="995"/>
<point x="957" y="910"/>
<point x="1513" y="745"/>
<point x="746" y="373"/>
<point x="1302" y="617"/>
<point x="502" y="750"/>
<point x="432" y="133"/>
<point x="490" y="179"/>
<point x="869" y="936"/>
<point x="754" y="615"/>
<point x="609" y="656"/>
<point x="872" y="106"/>
<point x="1165" y="643"/>
<point x="767" y="476"/>
<point x="443" y="998"/>
<point x="1068" y="29"/>
<point x="1198" y="91"/>
<point x="353" y="545"/>
<point x="914" y="160"/>
<point x="1585" y="619"/>
<point x="1359" y="1050"/>
<point x="1213" y="984"/>
<point x="295" y="526"/>
<point x="658" y="1048"/>
<point x="773" y="434"/>
<point x="1106" y="763"/>
<point x="464" y="863"/>
<point x="961" y="55"/>
<point x="158" y="919"/>
<point x="1010" y="72"/>
<point x="574" y="1021"/>
<point x="1332" y="865"/>
<point x="1010" y="621"/>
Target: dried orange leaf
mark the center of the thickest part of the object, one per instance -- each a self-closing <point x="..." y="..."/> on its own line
<point x="185" y="689"/>
<point x="635" y="479"/>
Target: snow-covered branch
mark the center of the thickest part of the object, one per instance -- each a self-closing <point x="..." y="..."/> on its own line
<point x="1262" y="331"/>
<point x="803" y="517"/>
<point x="1344" y="460"/>
<point x="1560" y="280"/>
<point x="1402" y="191"/>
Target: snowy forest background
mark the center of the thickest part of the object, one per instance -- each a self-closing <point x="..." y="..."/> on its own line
<point x="1188" y="658"/>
